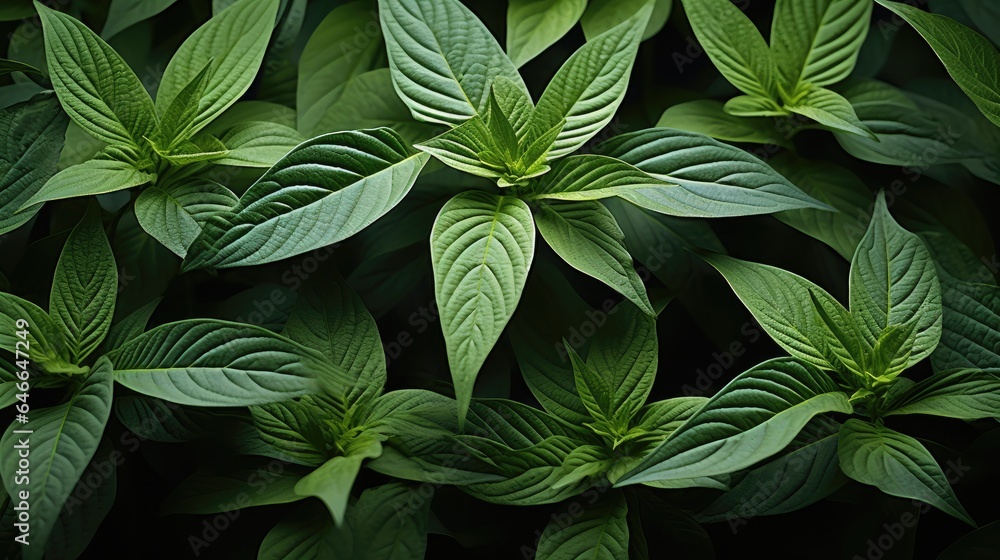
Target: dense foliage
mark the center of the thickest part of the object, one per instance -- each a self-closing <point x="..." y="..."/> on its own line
<point x="313" y="279"/>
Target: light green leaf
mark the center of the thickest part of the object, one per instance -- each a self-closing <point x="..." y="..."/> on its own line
<point x="330" y="318"/>
<point x="368" y="101"/>
<point x="443" y="59"/>
<point x="969" y="394"/>
<point x="749" y="106"/>
<point x="85" y="287"/>
<point x="784" y="485"/>
<point x="830" y="109"/>
<point x="602" y="15"/>
<point x="817" y="41"/>
<point x="323" y="191"/>
<point x="599" y="533"/>
<point x="800" y="316"/>
<point x="45" y="341"/>
<point x="897" y="465"/>
<point x="95" y="86"/>
<point x="233" y="42"/>
<point x="586" y="235"/>
<point x="334" y="55"/>
<point x="970" y="58"/>
<point x="332" y="482"/>
<point x="589" y="87"/>
<point x="593" y="177"/>
<point x="216" y="363"/>
<point x="713" y="179"/>
<point x="174" y="214"/>
<point x="735" y="46"/>
<point x="753" y="417"/>
<point x="62" y="440"/>
<point x="625" y="356"/>
<point x="96" y="176"/>
<point x="481" y="248"/>
<point x="708" y="117"/>
<point x="125" y="13"/>
<point x="465" y="147"/>
<point x="258" y="144"/>
<point x="893" y="282"/>
<point x="535" y="25"/>
<point x="28" y="155"/>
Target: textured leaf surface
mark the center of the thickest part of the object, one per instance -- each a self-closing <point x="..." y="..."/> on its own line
<point x="481" y="247"/>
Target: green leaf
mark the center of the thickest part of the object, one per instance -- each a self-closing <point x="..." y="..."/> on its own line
<point x="387" y="522"/>
<point x="906" y="132"/>
<point x="713" y="179"/>
<point x="893" y="282"/>
<point x="45" y="341"/>
<point x="897" y="465"/>
<point x="586" y="235"/>
<point x="833" y="185"/>
<point x="535" y="25"/>
<point x="95" y="86"/>
<point x="465" y="148"/>
<point x="443" y="59"/>
<point x="735" y="46"/>
<point x="131" y="326"/>
<point x="217" y="363"/>
<point x="330" y="318"/>
<point x="89" y="503"/>
<point x="125" y="13"/>
<point x="175" y="214"/>
<point x="28" y="156"/>
<point x="817" y="41"/>
<point x="10" y="66"/>
<point x="233" y="42"/>
<point x="593" y="177"/>
<point x="323" y="191"/>
<point x="753" y="417"/>
<point x="602" y="15"/>
<point x="970" y="58"/>
<point x="208" y="492"/>
<point x="708" y="117"/>
<point x="589" y="87"/>
<point x="970" y="328"/>
<point x="784" y="485"/>
<point x="258" y="144"/>
<point x="800" y="316"/>
<point x="176" y="123"/>
<point x="749" y="106"/>
<point x="332" y="482"/>
<point x="830" y="109"/>
<point x="968" y="394"/>
<point x="369" y="101"/>
<point x="62" y="440"/>
<point x="331" y="59"/>
<point x="979" y="544"/>
<point x="307" y="533"/>
<point x="85" y="287"/>
<point x="624" y="356"/>
<point x="481" y="248"/>
<point x="599" y="533"/>
<point x="15" y="10"/>
<point x="96" y="176"/>
<point x="292" y="428"/>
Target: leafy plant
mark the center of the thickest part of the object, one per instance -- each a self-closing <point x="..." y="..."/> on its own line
<point x="894" y="322"/>
<point x="75" y="348"/>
